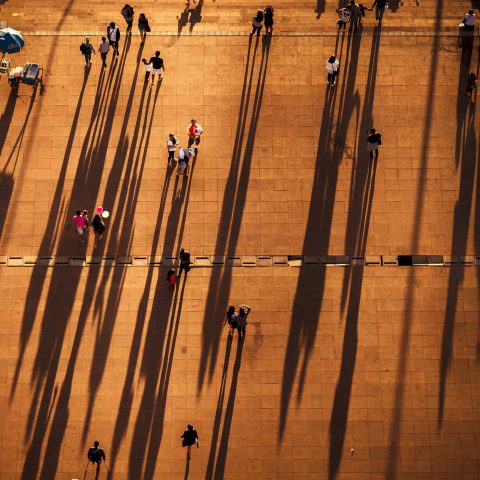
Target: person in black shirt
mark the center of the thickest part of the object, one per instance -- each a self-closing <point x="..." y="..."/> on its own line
<point x="190" y="437"/>
<point x="96" y="454"/>
<point x="184" y="262"/>
<point x="374" y="139"/>
<point x="157" y="65"/>
<point x="379" y="9"/>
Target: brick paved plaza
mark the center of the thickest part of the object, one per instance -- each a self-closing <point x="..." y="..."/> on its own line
<point x="353" y="367"/>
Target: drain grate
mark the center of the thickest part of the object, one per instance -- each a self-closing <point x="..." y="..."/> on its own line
<point x="209" y="261"/>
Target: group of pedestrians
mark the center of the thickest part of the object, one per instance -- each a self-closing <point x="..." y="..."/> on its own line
<point x="263" y="17"/>
<point x="237" y="320"/>
<point x="195" y="130"/>
<point x="83" y="224"/>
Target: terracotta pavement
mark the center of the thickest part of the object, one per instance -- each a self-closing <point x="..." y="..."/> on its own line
<point x="360" y="372"/>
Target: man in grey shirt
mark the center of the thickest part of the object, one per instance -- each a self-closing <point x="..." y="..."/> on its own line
<point x="103" y="50"/>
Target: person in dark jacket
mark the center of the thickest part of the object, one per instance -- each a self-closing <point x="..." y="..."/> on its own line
<point x="98" y="228"/>
<point x="96" y="454"/>
<point x="374" y="139"/>
<point x="143" y="27"/>
<point x="190" y="437"/>
<point x="184" y="262"/>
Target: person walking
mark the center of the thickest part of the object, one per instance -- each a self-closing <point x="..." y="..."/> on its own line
<point x="81" y="224"/>
<point x="113" y="35"/>
<point x="190" y="437"/>
<point x="380" y="6"/>
<point x="333" y="67"/>
<point x="374" y="139"/>
<point x="257" y="23"/>
<point x="143" y="27"/>
<point x="157" y="66"/>
<point x="194" y="132"/>
<point x="469" y="21"/>
<point x="268" y="19"/>
<point x="87" y="49"/>
<point x="472" y="85"/>
<point x="98" y="226"/>
<point x="103" y="49"/>
<point x="242" y="321"/>
<point x="184" y="262"/>
<point x="127" y="13"/>
<point x="355" y="16"/>
<point x="172" y="143"/>
<point x="344" y="17"/>
<point x="96" y="454"/>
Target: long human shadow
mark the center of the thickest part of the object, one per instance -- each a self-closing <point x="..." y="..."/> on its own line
<point x="462" y="99"/>
<point x="227" y="419"/>
<point x="124" y="410"/>
<point x="196" y="15"/>
<point x="320" y="8"/>
<point x="308" y="296"/>
<point x="394" y="434"/>
<point x="59" y="425"/>
<point x="461" y="224"/>
<point x="6" y="118"/>
<point x="358" y="222"/>
<point x="120" y="233"/>
<point x="52" y="332"/>
<point x="53" y="224"/>
<point x="218" y="412"/>
<point x="232" y="209"/>
<point x="148" y="430"/>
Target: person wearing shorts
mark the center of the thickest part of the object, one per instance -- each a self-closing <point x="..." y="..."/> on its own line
<point x="113" y="35"/>
<point x="374" y="139"/>
<point x="172" y="143"/>
<point x="157" y="66"/>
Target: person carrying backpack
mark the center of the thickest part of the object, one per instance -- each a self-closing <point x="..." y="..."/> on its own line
<point x="190" y="437"/>
<point x="374" y="139"/>
<point x="87" y="48"/>
<point x="96" y="454"/>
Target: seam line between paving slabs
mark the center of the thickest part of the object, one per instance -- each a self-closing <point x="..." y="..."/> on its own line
<point x="213" y="261"/>
<point x="367" y="30"/>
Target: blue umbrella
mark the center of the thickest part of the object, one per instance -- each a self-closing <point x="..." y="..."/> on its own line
<point x="11" y="40"/>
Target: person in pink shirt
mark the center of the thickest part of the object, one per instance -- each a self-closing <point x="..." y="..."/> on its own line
<point x="80" y="220"/>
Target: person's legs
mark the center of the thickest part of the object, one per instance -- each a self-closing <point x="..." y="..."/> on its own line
<point x="104" y="59"/>
<point x="190" y="141"/>
<point x="153" y="76"/>
<point x="376" y="153"/>
<point x="329" y="78"/>
<point x="379" y="13"/>
<point x="170" y="157"/>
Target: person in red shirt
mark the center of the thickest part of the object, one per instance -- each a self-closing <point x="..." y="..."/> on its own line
<point x="194" y="132"/>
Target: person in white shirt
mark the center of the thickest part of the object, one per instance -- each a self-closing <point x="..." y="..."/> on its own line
<point x="172" y="143"/>
<point x="113" y="34"/>
<point x="344" y="14"/>
<point x="103" y="50"/>
<point x="184" y="155"/>
<point x="332" y="66"/>
<point x="469" y="20"/>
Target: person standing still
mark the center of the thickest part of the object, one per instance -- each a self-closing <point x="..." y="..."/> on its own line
<point x="344" y="17"/>
<point x="190" y="437"/>
<point x="242" y="321"/>
<point x="472" y="85"/>
<point x="268" y="15"/>
<point x="103" y="50"/>
<point x="374" y="139"/>
<point x="194" y="132"/>
<point x="87" y="49"/>
<point x="184" y="262"/>
<point x="332" y="66"/>
<point x="469" y="21"/>
<point x="113" y="35"/>
<point x="172" y="143"/>
<point x="127" y="13"/>
<point x="143" y="27"/>
<point x="355" y="15"/>
<point x="380" y="6"/>
<point x="257" y="23"/>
